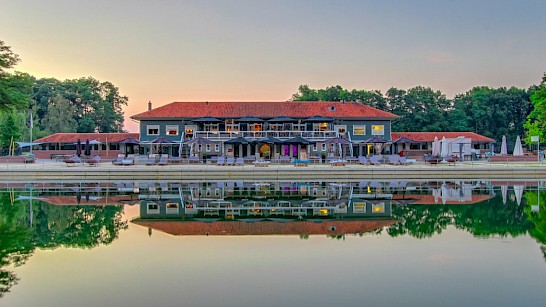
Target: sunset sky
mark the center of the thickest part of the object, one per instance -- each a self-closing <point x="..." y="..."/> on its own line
<point x="230" y="50"/>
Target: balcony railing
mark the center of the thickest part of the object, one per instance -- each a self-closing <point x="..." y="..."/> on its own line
<point x="251" y="135"/>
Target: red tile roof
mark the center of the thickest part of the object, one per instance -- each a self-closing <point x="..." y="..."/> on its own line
<point x="236" y="228"/>
<point x="429" y="136"/>
<point x="73" y="137"/>
<point x="300" y="109"/>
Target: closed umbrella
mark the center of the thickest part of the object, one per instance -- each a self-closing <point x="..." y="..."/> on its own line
<point x="504" y="148"/>
<point x="444" y="152"/>
<point x="504" y="193"/>
<point x="518" y="191"/>
<point x="79" y="148"/>
<point x="518" y="149"/>
<point x="436" y="147"/>
<point x="87" y="148"/>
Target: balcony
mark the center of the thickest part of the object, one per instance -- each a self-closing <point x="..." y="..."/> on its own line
<point x="251" y="135"/>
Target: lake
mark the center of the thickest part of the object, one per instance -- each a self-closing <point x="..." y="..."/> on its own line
<point x="259" y="243"/>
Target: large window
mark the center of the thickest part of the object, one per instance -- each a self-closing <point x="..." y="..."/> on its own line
<point x="341" y="129"/>
<point x="232" y="126"/>
<point x="359" y="130"/>
<point x="320" y="126"/>
<point x="378" y="130"/>
<point x="359" y="207"/>
<point x="152" y="129"/>
<point x="211" y="127"/>
<point x="172" y="130"/>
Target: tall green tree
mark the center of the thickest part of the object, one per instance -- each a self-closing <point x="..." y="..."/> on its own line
<point x="536" y="120"/>
<point x="60" y="116"/>
<point x="14" y="88"/>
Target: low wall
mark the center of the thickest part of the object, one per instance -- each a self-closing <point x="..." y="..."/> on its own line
<point x="512" y="159"/>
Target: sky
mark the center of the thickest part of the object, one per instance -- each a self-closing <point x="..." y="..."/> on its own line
<point x="258" y="50"/>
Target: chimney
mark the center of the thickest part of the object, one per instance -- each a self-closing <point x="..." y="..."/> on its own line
<point x="149" y="105"/>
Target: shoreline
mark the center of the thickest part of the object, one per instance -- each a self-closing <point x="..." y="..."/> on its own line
<point x="58" y="171"/>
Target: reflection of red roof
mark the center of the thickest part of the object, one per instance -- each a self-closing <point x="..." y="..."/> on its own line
<point x="236" y="228"/>
<point x="73" y="137"/>
<point x="429" y="199"/>
<point x="73" y="200"/>
<point x="298" y="109"/>
<point x="429" y="136"/>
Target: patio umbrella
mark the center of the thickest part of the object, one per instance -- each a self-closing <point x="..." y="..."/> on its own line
<point x="337" y="141"/>
<point x="298" y="140"/>
<point x="518" y="191"/>
<point x="199" y="141"/>
<point x="377" y="142"/>
<point x="282" y="119"/>
<point x="87" y="151"/>
<point x="79" y="148"/>
<point x="404" y="140"/>
<point x="444" y="149"/>
<point x="129" y="141"/>
<point x="269" y="140"/>
<point x="504" y="193"/>
<point x="518" y="149"/>
<point x="162" y="140"/>
<point x="504" y="148"/>
<point x="318" y="119"/>
<point x="249" y="119"/>
<point x="436" y="147"/>
<point x="206" y="119"/>
<point x="237" y="141"/>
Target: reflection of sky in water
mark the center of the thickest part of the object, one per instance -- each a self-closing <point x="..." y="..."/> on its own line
<point x="451" y="269"/>
<point x="448" y="269"/>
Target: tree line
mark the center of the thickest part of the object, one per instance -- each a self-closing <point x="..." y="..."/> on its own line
<point x="78" y="105"/>
<point x="488" y="111"/>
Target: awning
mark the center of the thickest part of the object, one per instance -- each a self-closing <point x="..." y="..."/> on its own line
<point x="26" y="144"/>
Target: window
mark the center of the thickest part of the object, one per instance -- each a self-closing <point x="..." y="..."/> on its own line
<point x="378" y="208"/>
<point x="217" y="147"/>
<point x="207" y="148"/>
<point x="153" y="129"/>
<point x="232" y="126"/>
<point x="172" y="208"/>
<point x="323" y="147"/>
<point x="320" y="126"/>
<point x="211" y="127"/>
<point x="199" y="148"/>
<point x="359" y="207"/>
<point x="153" y="208"/>
<point x="172" y="130"/>
<point x="359" y="130"/>
<point x="378" y="130"/>
<point x="315" y="147"/>
<point x="341" y="129"/>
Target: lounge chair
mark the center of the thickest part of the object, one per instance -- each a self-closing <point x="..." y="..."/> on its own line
<point x="261" y="163"/>
<point x="72" y="161"/>
<point x="240" y="161"/>
<point x="193" y="159"/>
<point x="403" y="161"/>
<point x="151" y="160"/>
<point x="221" y="161"/>
<point x="93" y="161"/>
<point x="118" y="160"/>
<point x="375" y="160"/>
<point x="163" y="160"/>
<point x="394" y="159"/>
<point x="230" y="161"/>
<point x="363" y="160"/>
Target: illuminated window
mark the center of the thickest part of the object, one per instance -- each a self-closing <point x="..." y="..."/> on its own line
<point x="172" y="208"/>
<point x="378" y="130"/>
<point x="359" y="207"/>
<point x="378" y="208"/>
<point x="211" y="127"/>
<point x="359" y="130"/>
<point x="172" y="130"/>
<point x="341" y="129"/>
<point x="153" y="129"/>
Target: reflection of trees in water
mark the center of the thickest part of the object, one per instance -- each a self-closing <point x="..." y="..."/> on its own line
<point x="52" y="226"/>
<point x="489" y="218"/>
<point x="538" y="219"/>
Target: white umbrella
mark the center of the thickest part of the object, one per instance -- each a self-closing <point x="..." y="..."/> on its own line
<point x="504" y="148"/>
<point x="444" y="151"/>
<point x="504" y="193"/>
<point x="436" y="147"/>
<point x="518" y="149"/>
<point x="436" y="194"/>
<point x="444" y="193"/>
<point x="518" y="191"/>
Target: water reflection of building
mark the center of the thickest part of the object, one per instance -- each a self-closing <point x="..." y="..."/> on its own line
<point x="239" y="208"/>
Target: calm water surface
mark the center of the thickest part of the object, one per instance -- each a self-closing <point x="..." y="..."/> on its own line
<point x="447" y="243"/>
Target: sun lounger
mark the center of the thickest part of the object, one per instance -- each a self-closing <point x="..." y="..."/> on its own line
<point x="363" y="160"/>
<point x="73" y="161"/>
<point x="118" y="159"/>
<point x="221" y="161"/>
<point x="375" y="160"/>
<point x="298" y="162"/>
<point x="403" y="161"/>
<point x="230" y="161"/>
<point x="93" y="161"/>
<point x="151" y="160"/>
<point x="193" y="159"/>
<point x="261" y="163"/>
<point x="394" y="159"/>
<point x="240" y="161"/>
<point x="163" y="160"/>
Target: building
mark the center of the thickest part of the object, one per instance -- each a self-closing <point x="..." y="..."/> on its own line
<point x="271" y="129"/>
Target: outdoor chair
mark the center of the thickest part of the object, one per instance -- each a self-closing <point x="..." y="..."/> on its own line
<point x="163" y="160"/>
<point x="118" y="160"/>
<point x="93" y="161"/>
<point x="394" y="159"/>
<point x="193" y="159"/>
<point x="221" y="161"/>
<point x="240" y="161"/>
<point x="73" y="161"/>
<point x="151" y="160"/>
<point x="375" y="160"/>
<point x="363" y="160"/>
<point x="403" y="161"/>
<point x="230" y="161"/>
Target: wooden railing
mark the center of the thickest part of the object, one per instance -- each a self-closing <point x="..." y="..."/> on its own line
<point x="281" y="135"/>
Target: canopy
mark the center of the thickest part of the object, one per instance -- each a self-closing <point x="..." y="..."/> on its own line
<point x="206" y="119"/>
<point x="249" y="119"/>
<point x="26" y="144"/>
<point x="318" y="119"/>
<point x="298" y="140"/>
<point x="129" y="141"/>
<point x="90" y="142"/>
<point x="404" y="140"/>
<point x="269" y="140"/>
<point x="199" y="141"/>
<point x="281" y="119"/>
<point x="238" y="140"/>
<point x="375" y="140"/>
<point x="337" y="141"/>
